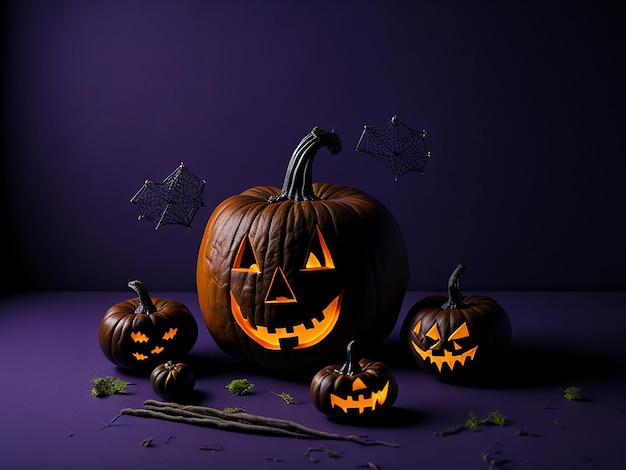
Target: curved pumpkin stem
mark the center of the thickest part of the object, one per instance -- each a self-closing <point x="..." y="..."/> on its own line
<point x="351" y="366"/>
<point x="455" y="298"/>
<point x="298" y="182"/>
<point x="145" y="301"/>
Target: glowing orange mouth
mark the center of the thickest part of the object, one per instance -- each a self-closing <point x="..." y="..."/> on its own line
<point x="361" y="403"/>
<point x="305" y="336"/>
<point x="447" y="357"/>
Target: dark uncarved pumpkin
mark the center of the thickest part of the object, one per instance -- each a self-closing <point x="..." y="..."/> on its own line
<point x="173" y="381"/>
<point x="286" y="278"/>
<point x="457" y="338"/>
<point x="137" y="334"/>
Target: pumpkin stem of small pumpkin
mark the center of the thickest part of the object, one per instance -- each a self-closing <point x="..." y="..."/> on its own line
<point x="145" y="301"/>
<point x="351" y="366"/>
<point x="298" y="182"/>
<point x="455" y="298"/>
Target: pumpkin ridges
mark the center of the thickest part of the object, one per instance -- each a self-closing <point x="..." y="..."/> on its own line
<point x="106" y="333"/>
<point x="209" y="246"/>
<point x="352" y="220"/>
<point x="338" y="192"/>
<point x="502" y="329"/>
<point x="172" y="380"/>
<point x="269" y="217"/>
<point x="248" y="211"/>
<point x="490" y="311"/>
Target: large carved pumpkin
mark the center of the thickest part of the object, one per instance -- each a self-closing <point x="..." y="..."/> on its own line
<point x="286" y="278"/>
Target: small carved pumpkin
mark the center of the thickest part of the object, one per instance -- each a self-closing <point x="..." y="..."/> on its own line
<point x="355" y="389"/>
<point x="138" y="334"/>
<point x="459" y="337"/>
<point x="173" y="381"/>
<point x="286" y="278"/>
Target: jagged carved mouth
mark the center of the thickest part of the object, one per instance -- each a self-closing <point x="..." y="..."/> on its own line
<point x="361" y="403"/>
<point x="298" y="336"/>
<point x="439" y="352"/>
<point x="448" y="358"/>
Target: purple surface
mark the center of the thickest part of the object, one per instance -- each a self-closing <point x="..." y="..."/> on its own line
<point x="50" y="351"/>
<point x="522" y="102"/>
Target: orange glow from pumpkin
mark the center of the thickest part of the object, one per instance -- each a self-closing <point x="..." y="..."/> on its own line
<point x="321" y="260"/>
<point x="448" y="358"/>
<point x="139" y="356"/>
<point x="306" y="336"/>
<point x="318" y="258"/>
<point x="139" y="337"/>
<point x="360" y="402"/>
<point x="358" y="384"/>
<point x="245" y="259"/>
<point x="170" y="334"/>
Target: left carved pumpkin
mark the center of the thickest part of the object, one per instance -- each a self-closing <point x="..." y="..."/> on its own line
<point x="139" y="333"/>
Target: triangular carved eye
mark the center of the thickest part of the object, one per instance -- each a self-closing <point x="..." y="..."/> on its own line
<point x="245" y="260"/>
<point x="460" y="333"/>
<point x="358" y="384"/>
<point x="433" y="334"/>
<point x="318" y="255"/>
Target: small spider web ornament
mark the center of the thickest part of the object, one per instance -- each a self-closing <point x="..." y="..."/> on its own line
<point x="172" y="202"/>
<point x="397" y="146"/>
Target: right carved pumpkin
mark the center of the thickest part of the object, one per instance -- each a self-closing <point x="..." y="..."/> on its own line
<point x="458" y="338"/>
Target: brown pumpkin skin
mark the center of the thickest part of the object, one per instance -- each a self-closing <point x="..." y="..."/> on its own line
<point x="173" y="381"/>
<point x="456" y="338"/>
<point x="355" y="390"/>
<point x="137" y="334"/>
<point x="367" y="281"/>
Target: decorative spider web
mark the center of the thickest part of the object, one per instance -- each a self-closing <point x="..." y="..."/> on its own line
<point x="174" y="201"/>
<point x="397" y="146"/>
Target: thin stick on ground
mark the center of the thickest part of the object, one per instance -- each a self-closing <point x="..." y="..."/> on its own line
<point x="238" y="417"/>
<point x="237" y="422"/>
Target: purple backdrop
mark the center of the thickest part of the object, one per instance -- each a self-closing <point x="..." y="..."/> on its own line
<point x="523" y="103"/>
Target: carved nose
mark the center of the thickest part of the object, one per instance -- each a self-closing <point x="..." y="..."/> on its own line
<point x="279" y="291"/>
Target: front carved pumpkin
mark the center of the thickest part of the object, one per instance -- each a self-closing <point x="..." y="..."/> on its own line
<point x="356" y="389"/>
<point x="458" y="338"/>
<point x="286" y="278"/>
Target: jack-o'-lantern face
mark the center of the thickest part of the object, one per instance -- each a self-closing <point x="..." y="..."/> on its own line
<point x="440" y="349"/>
<point x="362" y="398"/>
<point x="301" y="305"/>
<point x="147" y="347"/>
